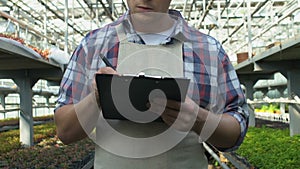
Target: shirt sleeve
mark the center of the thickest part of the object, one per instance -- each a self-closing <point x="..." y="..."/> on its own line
<point x="73" y="79"/>
<point x="235" y="104"/>
<point x="78" y="79"/>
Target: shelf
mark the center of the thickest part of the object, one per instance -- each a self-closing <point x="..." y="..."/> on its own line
<point x="15" y="60"/>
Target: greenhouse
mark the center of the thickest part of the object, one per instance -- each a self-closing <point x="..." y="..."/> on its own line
<point x="215" y="84"/>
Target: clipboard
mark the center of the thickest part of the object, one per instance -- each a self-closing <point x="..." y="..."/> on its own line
<point x="125" y="97"/>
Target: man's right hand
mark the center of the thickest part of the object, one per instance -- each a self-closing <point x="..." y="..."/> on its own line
<point x="104" y="70"/>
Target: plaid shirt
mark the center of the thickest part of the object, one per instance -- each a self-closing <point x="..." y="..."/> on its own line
<point x="214" y="83"/>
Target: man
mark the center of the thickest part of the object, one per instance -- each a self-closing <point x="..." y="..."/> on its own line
<point x="152" y="39"/>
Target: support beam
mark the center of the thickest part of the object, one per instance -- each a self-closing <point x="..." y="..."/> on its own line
<point x="107" y="11"/>
<point x="294" y="109"/>
<point x="67" y="28"/>
<point x="51" y="74"/>
<point x="26" y="118"/>
<point x="93" y="13"/>
<point x="254" y="77"/>
<point x="184" y="8"/>
<point x="249" y="28"/>
<point x="242" y="24"/>
<point x="263" y="67"/>
<point x="61" y="18"/>
<point x="281" y="90"/>
<point x="207" y="9"/>
<point x="249" y="95"/>
<point x="276" y="66"/>
<point x="48" y="102"/>
<point x="249" y="81"/>
<point x="2" y="97"/>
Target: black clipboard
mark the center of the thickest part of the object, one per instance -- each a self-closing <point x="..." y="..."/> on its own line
<point x="124" y="96"/>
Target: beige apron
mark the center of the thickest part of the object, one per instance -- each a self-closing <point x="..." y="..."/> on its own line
<point x="162" y="60"/>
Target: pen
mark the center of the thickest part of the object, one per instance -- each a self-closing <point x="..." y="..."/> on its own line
<point x="107" y="63"/>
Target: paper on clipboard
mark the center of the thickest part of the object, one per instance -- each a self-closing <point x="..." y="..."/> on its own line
<point x="125" y="97"/>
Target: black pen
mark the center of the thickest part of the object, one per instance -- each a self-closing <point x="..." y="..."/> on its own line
<point x="107" y="63"/>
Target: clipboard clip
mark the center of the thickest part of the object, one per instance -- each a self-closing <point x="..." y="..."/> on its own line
<point x="142" y="74"/>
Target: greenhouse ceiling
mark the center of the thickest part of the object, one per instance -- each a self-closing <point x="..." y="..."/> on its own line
<point x="226" y="20"/>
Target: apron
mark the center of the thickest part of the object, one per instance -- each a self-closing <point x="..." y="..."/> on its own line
<point x="162" y="60"/>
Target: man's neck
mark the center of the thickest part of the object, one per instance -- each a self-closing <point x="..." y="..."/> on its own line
<point x="151" y="22"/>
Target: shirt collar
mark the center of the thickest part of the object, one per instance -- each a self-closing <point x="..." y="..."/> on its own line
<point x="182" y="30"/>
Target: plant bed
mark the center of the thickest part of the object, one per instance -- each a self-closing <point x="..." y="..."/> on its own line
<point x="15" y="121"/>
<point x="267" y="148"/>
<point x="263" y="148"/>
<point x="48" y="152"/>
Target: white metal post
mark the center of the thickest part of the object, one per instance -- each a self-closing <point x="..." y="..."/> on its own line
<point x="67" y="26"/>
<point x="249" y="29"/>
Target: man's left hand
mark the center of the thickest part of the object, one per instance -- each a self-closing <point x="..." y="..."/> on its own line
<point x="179" y="115"/>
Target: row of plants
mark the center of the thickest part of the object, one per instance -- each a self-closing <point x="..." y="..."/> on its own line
<point x="10" y="140"/>
<point x="263" y="148"/>
<point x="15" y="121"/>
<point x="267" y="148"/>
<point x="48" y="151"/>
<point x="270" y="108"/>
<point x="43" y="52"/>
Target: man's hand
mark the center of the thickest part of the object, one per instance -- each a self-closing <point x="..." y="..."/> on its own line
<point x="104" y="70"/>
<point x="185" y="114"/>
<point x="222" y="131"/>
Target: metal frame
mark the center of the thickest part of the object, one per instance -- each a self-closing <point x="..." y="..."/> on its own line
<point x="239" y="25"/>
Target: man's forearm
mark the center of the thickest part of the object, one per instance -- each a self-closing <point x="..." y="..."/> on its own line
<point x="225" y="129"/>
<point x="74" y="121"/>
